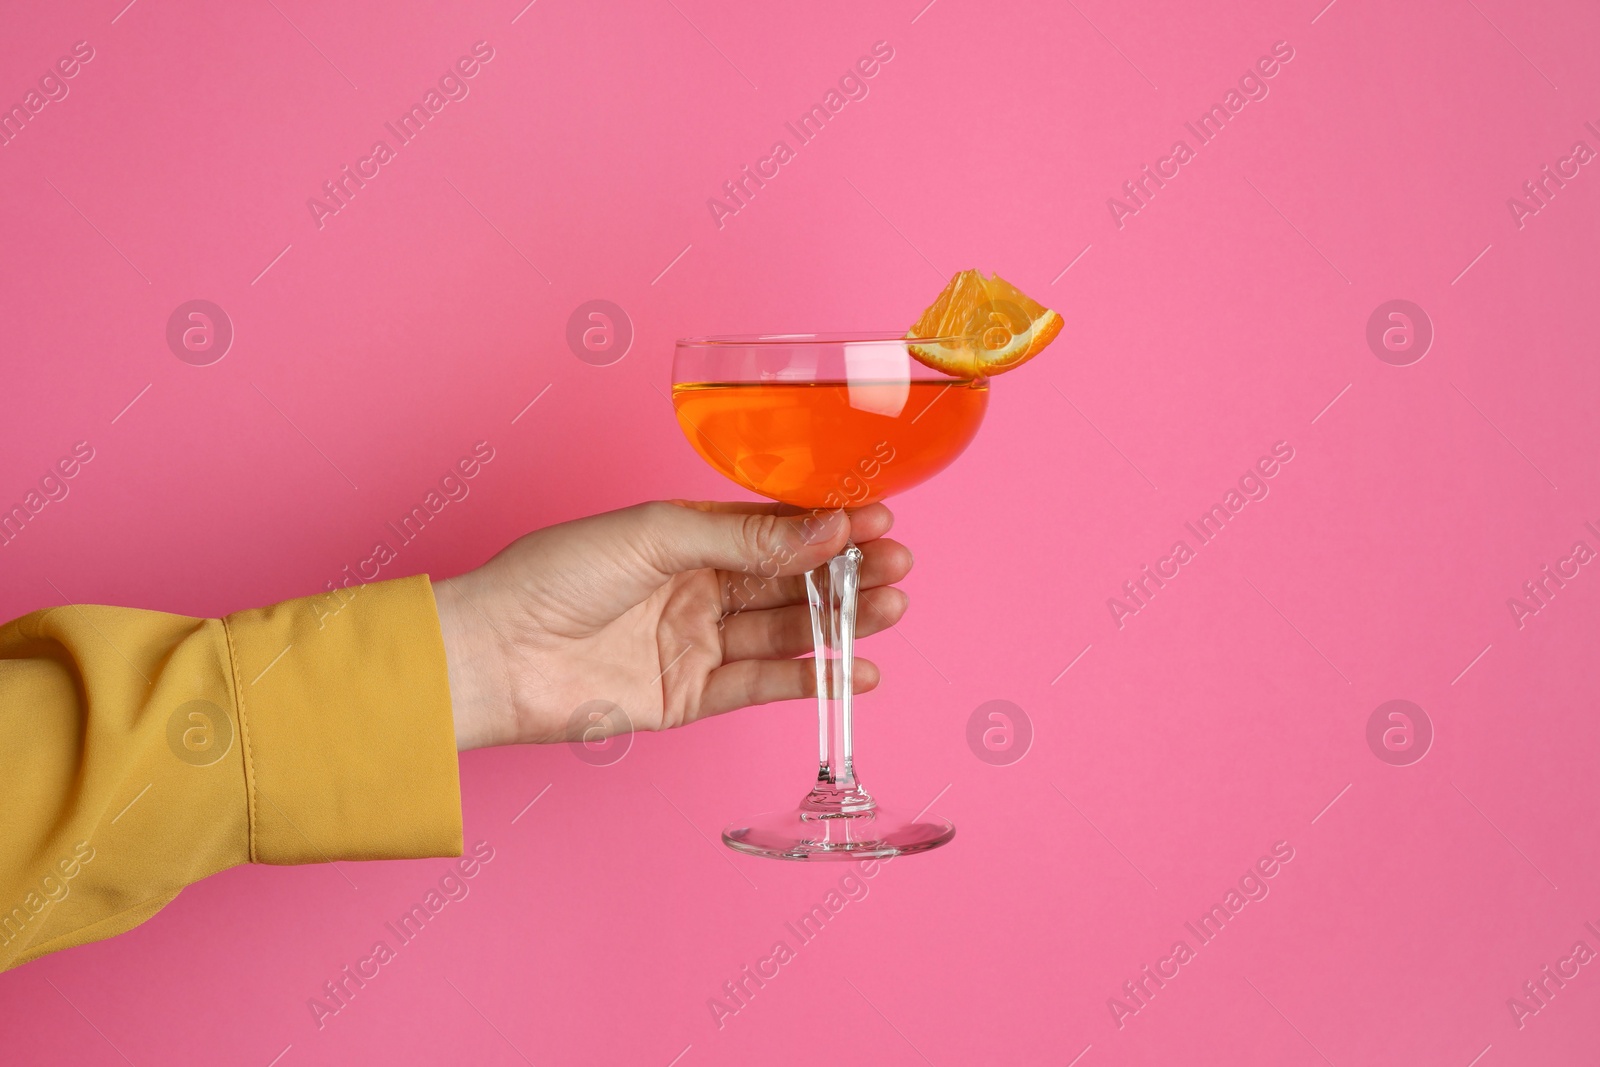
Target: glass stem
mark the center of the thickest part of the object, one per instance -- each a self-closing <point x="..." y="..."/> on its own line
<point x="831" y="590"/>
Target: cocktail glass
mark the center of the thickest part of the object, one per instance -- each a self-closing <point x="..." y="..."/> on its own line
<point x="822" y="422"/>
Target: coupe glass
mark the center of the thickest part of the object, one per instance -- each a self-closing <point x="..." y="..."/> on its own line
<point x="821" y="422"/>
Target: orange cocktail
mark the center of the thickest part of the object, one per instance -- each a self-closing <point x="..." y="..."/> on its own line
<point x="833" y="421"/>
<point x="830" y="444"/>
<point x="838" y="421"/>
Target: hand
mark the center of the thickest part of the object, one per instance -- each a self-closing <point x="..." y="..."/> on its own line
<point x="672" y="611"/>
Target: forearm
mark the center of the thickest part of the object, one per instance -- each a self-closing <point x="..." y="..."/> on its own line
<point x="140" y="752"/>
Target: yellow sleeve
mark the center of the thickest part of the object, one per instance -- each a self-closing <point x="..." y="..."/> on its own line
<point x="140" y="752"/>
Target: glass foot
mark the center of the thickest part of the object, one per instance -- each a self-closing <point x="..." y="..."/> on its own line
<point x="837" y="825"/>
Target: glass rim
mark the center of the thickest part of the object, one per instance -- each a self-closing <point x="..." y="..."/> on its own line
<point x="793" y="340"/>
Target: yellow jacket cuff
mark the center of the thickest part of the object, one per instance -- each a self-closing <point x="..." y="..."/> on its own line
<point x="345" y="726"/>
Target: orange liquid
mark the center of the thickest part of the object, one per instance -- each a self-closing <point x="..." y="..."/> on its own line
<point x="830" y="444"/>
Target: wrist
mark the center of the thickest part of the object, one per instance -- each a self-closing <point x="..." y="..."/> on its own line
<point x="469" y="659"/>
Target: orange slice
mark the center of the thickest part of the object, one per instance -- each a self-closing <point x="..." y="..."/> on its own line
<point x="987" y="325"/>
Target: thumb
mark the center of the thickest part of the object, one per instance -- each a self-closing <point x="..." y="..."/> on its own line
<point x="677" y="536"/>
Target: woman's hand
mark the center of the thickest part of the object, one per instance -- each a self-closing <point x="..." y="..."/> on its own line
<point x="670" y="611"/>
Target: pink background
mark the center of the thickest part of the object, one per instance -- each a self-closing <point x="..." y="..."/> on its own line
<point x="1223" y="317"/>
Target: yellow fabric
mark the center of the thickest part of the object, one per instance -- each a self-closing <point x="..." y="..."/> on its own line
<point x="140" y="752"/>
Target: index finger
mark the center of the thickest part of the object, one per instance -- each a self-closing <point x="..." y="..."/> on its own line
<point x="867" y="523"/>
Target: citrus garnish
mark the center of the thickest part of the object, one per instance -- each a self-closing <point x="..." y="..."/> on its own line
<point x="986" y="326"/>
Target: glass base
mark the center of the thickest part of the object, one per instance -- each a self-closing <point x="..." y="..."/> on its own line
<point x="833" y="824"/>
